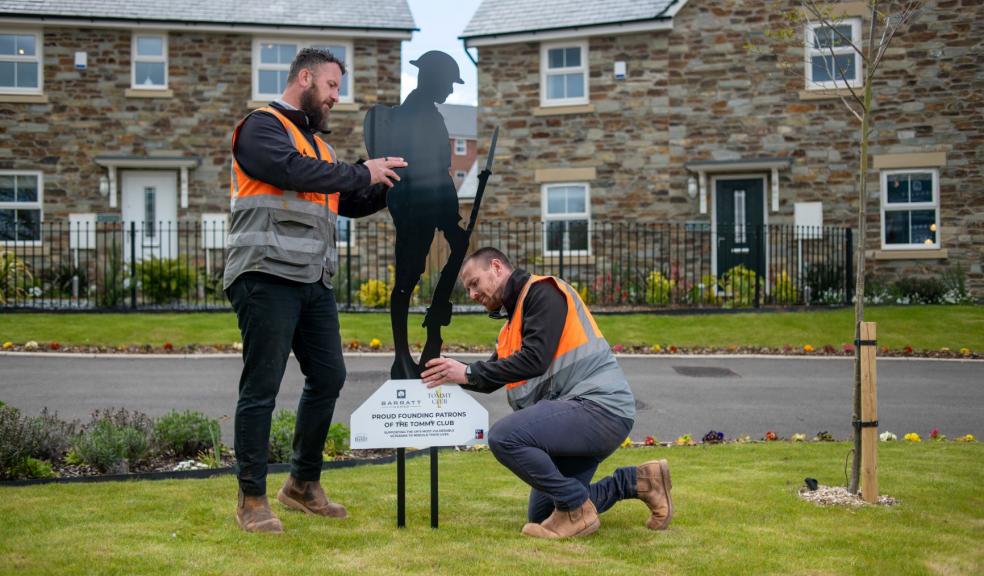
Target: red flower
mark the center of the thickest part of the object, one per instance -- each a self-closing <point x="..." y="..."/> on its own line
<point x="650" y="441"/>
<point x="771" y="436"/>
<point x="848" y="348"/>
<point x="54" y="346"/>
<point x="907" y="349"/>
<point x="673" y="349"/>
<point x="168" y="346"/>
<point x="828" y="349"/>
<point x="618" y="348"/>
<point x="935" y="434"/>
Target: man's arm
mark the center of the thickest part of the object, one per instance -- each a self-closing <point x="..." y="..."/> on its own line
<point x="362" y="202"/>
<point x="544" y="312"/>
<point x="265" y="152"/>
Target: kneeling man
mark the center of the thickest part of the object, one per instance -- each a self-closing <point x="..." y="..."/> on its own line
<point x="573" y="406"/>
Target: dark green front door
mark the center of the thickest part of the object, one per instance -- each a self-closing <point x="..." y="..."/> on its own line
<point x="740" y="230"/>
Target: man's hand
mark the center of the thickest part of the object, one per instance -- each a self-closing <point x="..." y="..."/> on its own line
<point x="381" y="170"/>
<point x="444" y="371"/>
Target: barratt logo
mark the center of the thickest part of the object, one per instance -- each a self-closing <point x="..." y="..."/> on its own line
<point x="401" y="393"/>
<point x="439" y="398"/>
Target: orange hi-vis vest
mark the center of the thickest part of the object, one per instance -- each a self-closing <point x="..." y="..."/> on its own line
<point x="583" y="364"/>
<point x="286" y="233"/>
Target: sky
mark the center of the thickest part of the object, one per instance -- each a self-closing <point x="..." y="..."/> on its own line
<point x="440" y="23"/>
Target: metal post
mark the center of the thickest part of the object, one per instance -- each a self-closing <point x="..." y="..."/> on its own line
<point x="849" y="264"/>
<point x="434" y="504"/>
<point x="401" y="487"/>
<point x="348" y="262"/>
<point x="133" y="264"/>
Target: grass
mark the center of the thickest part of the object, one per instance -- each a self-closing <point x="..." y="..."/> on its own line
<point x="922" y="327"/>
<point x="736" y="513"/>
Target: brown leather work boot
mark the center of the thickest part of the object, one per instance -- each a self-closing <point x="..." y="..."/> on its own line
<point x="309" y="497"/>
<point x="253" y="514"/>
<point x="566" y="523"/>
<point x="653" y="487"/>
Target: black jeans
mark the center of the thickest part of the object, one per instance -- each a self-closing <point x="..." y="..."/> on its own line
<point x="274" y="318"/>
<point x="555" y="446"/>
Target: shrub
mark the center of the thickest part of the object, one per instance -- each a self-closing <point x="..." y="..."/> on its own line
<point x="15" y="278"/>
<point x="115" y="440"/>
<point x="185" y="434"/>
<point x="784" y="292"/>
<point x="59" y="280"/>
<point x="165" y="279"/>
<point x="45" y="437"/>
<point x="659" y="288"/>
<point x="919" y="290"/>
<point x="739" y="285"/>
<point x="282" y="436"/>
<point x="824" y="283"/>
<point x="111" y="448"/>
<point x="338" y="439"/>
<point x="955" y="283"/>
<point x="34" y="468"/>
<point x="374" y="293"/>
<point x="51" y="436"/>
<point x="113" y="291"/>
<point x="15" y="443"/>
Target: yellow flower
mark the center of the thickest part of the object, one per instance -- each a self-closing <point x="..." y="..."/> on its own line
<point x="8" y="345"/>
<point x="965" y="351"/>
<point x="807" y="348"/>
<point x="375" y="344"/>
<point x="913" y="437"/>
<point x="656" y="349"/>
<point x="685" y="440"/>
<point x="967" y="438"/>
<point x="626" y="443"/>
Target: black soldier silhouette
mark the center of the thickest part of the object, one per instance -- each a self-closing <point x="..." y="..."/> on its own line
<point x="424" y="200"/>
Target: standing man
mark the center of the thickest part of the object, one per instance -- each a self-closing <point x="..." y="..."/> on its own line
<point x="287" y="191"/>
<point x="573" y="406"/>
<point x="424" y="201"/>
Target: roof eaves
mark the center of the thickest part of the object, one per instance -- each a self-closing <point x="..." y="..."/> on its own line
<point x="226" y="23"/>
<point x="562" y="28"/>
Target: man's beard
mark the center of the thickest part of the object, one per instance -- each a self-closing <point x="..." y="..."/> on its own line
<point x="311" y="106"/>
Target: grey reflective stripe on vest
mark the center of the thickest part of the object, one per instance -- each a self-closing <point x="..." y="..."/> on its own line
<point x="270" y="238"/>
<point x="587" y="361"/>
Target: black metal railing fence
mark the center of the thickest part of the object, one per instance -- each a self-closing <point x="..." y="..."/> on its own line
<point x="645" y="265"/>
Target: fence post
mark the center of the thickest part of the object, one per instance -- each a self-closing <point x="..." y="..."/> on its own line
<point x="133" y="264"/>
<point x="348" y="261"/>
<point x="563" y="237"/>
<point x="758" y="265"/>
<point x="849" y="264"/>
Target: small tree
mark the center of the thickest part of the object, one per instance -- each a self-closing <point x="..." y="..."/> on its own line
<point x="886" y="19"/>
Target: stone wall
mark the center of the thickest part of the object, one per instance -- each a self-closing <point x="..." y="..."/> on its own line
<point x="88" y="113"/>
<point x="697" y="93"/>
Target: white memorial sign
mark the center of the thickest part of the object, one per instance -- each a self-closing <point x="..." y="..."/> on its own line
<point x="407" y="414"/>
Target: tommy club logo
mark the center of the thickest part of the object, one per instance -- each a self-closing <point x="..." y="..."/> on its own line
<point x="439" y="398"/>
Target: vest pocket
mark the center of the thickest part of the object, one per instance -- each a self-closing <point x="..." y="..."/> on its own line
<point x="300" y="238"/>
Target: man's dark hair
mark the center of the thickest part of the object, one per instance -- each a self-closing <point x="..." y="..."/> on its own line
<point x="486" y="255"/>
<point x="311" y="58"/>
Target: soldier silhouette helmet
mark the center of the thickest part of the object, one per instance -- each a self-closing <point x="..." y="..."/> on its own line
<point x="440" y="65"/>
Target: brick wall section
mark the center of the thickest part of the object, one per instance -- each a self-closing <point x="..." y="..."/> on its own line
<point x="88" y="114"/>
<point x="696" y="93"/>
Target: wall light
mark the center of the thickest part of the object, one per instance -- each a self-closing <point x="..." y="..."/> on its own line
<point x="692" y="187"/>
<point x="103" y="186"/>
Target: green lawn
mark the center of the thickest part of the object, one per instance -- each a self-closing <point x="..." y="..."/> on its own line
<point x="736" y="513"/>
<point x="922" y="327"/>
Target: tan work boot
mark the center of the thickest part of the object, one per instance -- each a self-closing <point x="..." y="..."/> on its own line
<point x="653" y="486"/>
<point x="309" y="497"/>
<point x="253" y="514"/>
<point x="566" y="523"/>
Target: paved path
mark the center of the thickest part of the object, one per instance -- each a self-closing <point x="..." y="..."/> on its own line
<point x="675" y="395"/>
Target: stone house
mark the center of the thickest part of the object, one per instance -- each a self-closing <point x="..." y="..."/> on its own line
<point x="123" y="111"/>
<point x="658" y="112"/>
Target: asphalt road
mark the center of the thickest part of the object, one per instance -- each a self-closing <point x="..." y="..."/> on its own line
<point x="675" y="395"/>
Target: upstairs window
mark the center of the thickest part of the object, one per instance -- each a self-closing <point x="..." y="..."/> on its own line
<point x="564" y="74"/>
<point x="149" y="70"/>
<point x="831" y="62"/>
<point x="460" y="147"/>
<point x="20" y="62"/>
<point x="272" y="60"/>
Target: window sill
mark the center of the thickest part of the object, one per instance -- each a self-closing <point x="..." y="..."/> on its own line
<point x="142" y="93"/>
<point x="24" y="98"/>
<point x="562" y="110"/>
<point x="827" y="93"/>
<point x="930" y="254"/>
<point x="570" y="260"/>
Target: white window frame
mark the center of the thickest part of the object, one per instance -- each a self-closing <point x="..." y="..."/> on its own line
<point x="546" y="217"/>
<point x="909" y="207"/>
<point x="36" y="205"/>
<point x="460" y="147"/>
<point x="301" y="44"/>
<point x="38" y="58"/>
<point x="460" y="174"/>
<point x="545" y="70"/>
<point x="339" y="243"/>
<point x="134" y="57"/>
<point x="810" y="51"/>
